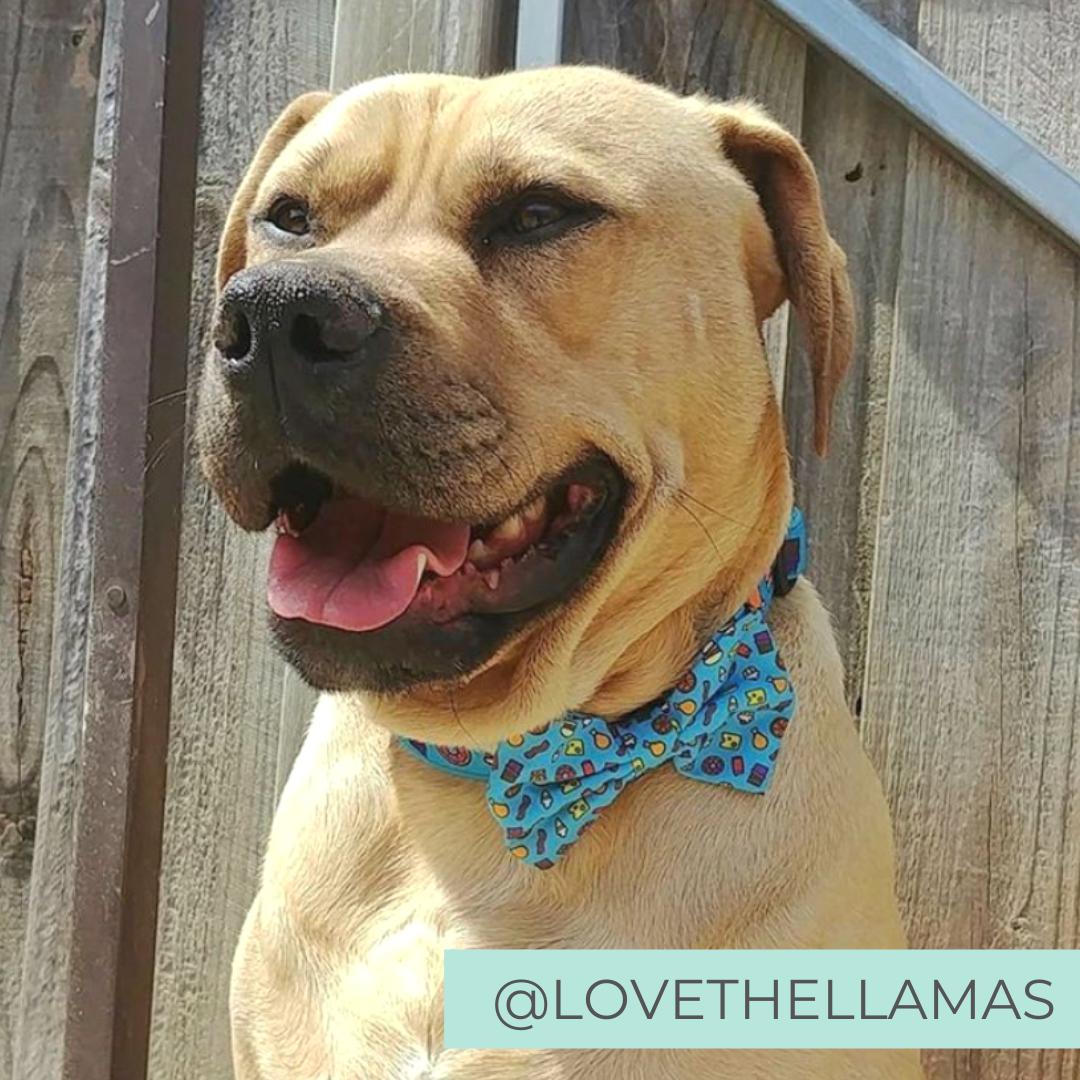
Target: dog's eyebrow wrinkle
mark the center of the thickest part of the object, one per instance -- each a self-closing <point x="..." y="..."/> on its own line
<point x="421" y="151"/>
<point x="357" y="189"/>
<point x="315" y="156"/>
<point x="456" y="118"/>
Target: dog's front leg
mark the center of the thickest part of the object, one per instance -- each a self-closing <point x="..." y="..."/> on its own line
<point x="275" y="1030"/>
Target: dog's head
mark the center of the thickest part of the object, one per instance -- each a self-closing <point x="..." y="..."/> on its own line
<point x="489" y="354"/>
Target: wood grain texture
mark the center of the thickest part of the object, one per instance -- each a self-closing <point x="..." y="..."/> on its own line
<point x="974" y="638"/>
<point x="1019" y="59"/>
<point x="41" y="1010"/>
<point x="467" y="37"/>
<point x="229" y="686"/>
<point x="859" y="146"/>
<point x="48" y="81"/>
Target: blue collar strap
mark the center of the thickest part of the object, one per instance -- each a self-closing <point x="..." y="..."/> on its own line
<point x="721" y="724"/>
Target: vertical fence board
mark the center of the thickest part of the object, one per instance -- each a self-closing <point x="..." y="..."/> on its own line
<point x="229" y="687"/>
<point x="48" y="80"/>
<point x="43" y="996"/>
<point x="134" y="536"/>
<point x="42" y="1005"/>
<point x="971" y="692"/>
<point x="859" y="145"/>
<point x="466" y="37"/>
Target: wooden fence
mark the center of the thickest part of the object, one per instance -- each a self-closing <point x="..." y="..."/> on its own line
<point x="946" y="520"/>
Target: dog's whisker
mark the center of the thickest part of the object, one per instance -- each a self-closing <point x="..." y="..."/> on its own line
<point x="457" y="717"/>
<point x="529" y="456"/>
<point x="168" y="442"/>
<point x="716" y="513"/>
<point x="509" y="470"/>
<point x="701" y="525"/>
<point x="167" y="397"/>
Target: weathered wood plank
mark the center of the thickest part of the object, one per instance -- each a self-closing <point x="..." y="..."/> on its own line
<point x="48" y="80"/>
<point x="974" y="641"/>
<point x="859" y="145"/>
<point x="725" y="50"/>
<point x="228" y="685"/>
<point x="1036" y="183"/>
<point x="134" y="539"/>
<point x="1021" y="62"/>
<point x="467" y="37"/>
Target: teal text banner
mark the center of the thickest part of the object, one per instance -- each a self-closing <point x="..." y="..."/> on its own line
<point x="795" y="998"/>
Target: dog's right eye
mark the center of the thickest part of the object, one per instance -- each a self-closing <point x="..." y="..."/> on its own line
<point x="289" y="215"/>
<point x="532" y="218"/>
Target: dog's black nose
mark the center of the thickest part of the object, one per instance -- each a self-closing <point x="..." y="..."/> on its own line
<point x="300" y="316"/>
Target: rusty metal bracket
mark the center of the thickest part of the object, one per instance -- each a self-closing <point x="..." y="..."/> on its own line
<point x="135" y="536"/>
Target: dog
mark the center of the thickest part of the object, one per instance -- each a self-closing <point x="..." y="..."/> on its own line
<point x="489" y="352"/>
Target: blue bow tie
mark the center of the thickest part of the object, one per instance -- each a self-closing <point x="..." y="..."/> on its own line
<point x="721" y="724"/>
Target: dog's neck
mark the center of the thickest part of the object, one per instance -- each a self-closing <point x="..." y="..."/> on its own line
<point x="653" y="662"/>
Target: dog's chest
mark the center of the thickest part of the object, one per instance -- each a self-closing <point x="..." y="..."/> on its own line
<point x="377" y="864"/>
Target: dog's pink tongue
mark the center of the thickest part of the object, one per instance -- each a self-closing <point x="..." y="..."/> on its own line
<point x="357" y="567"/>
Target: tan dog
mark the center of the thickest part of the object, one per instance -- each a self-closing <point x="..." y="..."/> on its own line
<point x="490" y="352"/>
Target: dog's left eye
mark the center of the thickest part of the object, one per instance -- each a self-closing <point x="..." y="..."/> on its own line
<point x="532" y="218"/>
<point x="289" y="215"/>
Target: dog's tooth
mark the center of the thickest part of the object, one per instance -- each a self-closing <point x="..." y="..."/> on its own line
<point x="290" y="523"/>
<point x="491" y="578"/>
<point x="535" y="511"/>
<point x="477" y="551"/>
<point x="513" y="528"/>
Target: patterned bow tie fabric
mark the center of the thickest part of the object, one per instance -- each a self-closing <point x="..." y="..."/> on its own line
<point x="721" y="724"/>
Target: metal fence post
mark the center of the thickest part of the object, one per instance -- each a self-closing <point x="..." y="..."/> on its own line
<point x="135" y="531"/>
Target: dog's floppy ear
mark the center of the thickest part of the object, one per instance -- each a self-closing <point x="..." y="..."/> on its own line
<point x="814" y="266"/>
<point x="232" y="251"/>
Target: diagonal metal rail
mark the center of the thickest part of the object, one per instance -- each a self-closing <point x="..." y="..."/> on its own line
<point x="1034" y="182"/>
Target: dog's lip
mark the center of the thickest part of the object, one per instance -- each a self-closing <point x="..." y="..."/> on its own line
<point x="516" y="563"/>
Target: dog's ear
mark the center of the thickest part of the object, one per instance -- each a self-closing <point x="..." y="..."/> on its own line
<point x="232" y="251"/>
<point x="814" y="267"/>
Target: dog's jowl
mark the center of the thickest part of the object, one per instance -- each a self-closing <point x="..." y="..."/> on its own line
<point x="492" y="366"/>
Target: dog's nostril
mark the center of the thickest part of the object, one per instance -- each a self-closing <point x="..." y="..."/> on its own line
<point x="307" y="339"/>
<point x="339" y="335"/>
<point x="232" y="335"/>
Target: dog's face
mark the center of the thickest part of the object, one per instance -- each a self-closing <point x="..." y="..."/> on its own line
<point x="488" y="352"/>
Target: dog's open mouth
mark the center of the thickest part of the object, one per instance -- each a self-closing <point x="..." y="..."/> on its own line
<point x="346" y="563"/>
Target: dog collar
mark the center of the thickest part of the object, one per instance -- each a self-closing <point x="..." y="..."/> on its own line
<point x="721" y="724"/>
